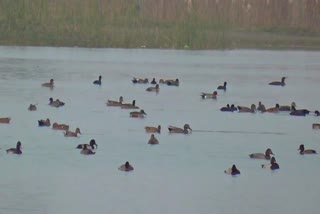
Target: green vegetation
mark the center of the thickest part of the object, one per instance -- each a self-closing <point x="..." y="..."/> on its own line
<point x="178" y="24"/>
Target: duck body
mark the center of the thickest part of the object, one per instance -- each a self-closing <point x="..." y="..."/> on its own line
<point x="153" y="140"/>
<point x="244" y="109"/>
<point x="126" y="167"/>
<point x="185" y="130"/>
<point x="16" y="150"/>
<point x="57" y="103"/>
<point x="279" y="83"/>
<point x="150" y="129"/>
<point x="129" y="105"/>
<point x="316" y="126"/>
<point x="57" y="126"/>
<point x="223" y="87"/>
<point x="266" y="155"/>
<point x="153" y="89"/>
<point x="232" y="171"/>
<point x="175" y="82"/>
<point x="49" y="84"/>
<point x="153" y="82"/>
<point x="44" y="122"/>
<point x="229" y="108"/>
<point x="32" y="107"/>
<point x="98" y="81"/>
<point x="273" y="165"/>
<point x="115" y="103"/>
<point x="304" y="151"/>
<point x="91" y="145"/>
<point x="138" y="114"/>
<point x="86" y="151"/>
<point x="212" y="95"/>
<point x="273" y="109"/>
<point x="140" y="80"/>
<point x="5" y="120"/>
<point x="72" y="134"/>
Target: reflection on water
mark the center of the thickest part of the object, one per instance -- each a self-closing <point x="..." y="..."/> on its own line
<point x="184" y="173"/>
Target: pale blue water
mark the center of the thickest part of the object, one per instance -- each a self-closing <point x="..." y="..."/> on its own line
<point x="184" y="173"/>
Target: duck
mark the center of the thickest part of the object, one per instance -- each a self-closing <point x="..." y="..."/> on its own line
<point x="175" y="82"/>
<point x="150" y="129"/>
<point x="57" y="103"/>
<point x="225" y="108"/>
<point x="57" y="126"/>
<point x="243" y="109"/>
<point x="273" y="109"/>
<point x="32" y="107"/>
<point x="153" y="82"/>
<point x="212" y="95"/>
<point x="232" y="171"/>
<point x="273" y="165"/>
<point x="306" y="151"/>
<point x="72" y="134"/>
<point x="49" y="84"/>
<point x="140" y="80"/>
<point x="44" y="122"/>
<point x="5" y="119"/>
<point x="155" y="89"/>
<point x="126" y="167"/>
<point x="316" y="126"/>
<point x="261" y="107"/>
<point x="316" y="113"/>
<point x="223" y="87"/>
<point x="287" y="107"/>
<point x="115" y="103"/>
<point x="281" y="83"/>
<point x="98" y="81"/>
<point x="186" y="129"/>
<point x="86" y="151"/>
<point x="138" y="114"/>
<point x="91" y="145"/>
<point x="266" y="155"/>
<point x="299" y="112"/>
<point x="129" y="105"/>
<point x="153" y="140"/>
<point x="16" y="150"/>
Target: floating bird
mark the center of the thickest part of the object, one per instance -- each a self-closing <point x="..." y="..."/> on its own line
<point x="212" y="95"/>
<point x="129" y="105"/>
<point x="5" y="120"/>
<point x="57" y="126"/>
<point x="91" y="145"/>
<point x="153" y="140"/>
<point x="266" y="155"/>
<point x="223" y="87"/>
<point x="281" y="83"/>
<point x="306" y="151"/>
<point x="153" y="82"/>
<point x="16" y="150"/>
<point x="126" y="167"/>
<point x="138" y="114"/>
<point x="150" y="129"/>
<point x="243" y="109"/>
<point x="153" y="89"/>
<point x="72" y="134"/>
<point x="44" y="122"/>
<point x="32" y="107"/>
<point x="140" y="80"/>
<point x="272" y="165"/>
<point x="232" y="171"/>
<point x="86" y="151"/>
<point x="49" y="84"/>
<point x="57" y="103"/>
<point x="97" y="82"/>
<point x="115" y="103"/>
<point x="186" y="129"/>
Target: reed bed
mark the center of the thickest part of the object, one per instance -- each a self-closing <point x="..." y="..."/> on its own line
<point x="194" y="24"/>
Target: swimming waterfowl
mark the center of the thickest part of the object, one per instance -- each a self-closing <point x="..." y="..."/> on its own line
<point x="316" y="126"/>
<point x="115" y="103"/>
<point x="274" y="109"/>
<point x="57" y="126"/>
<point x="140" y="80"/>
<point x="261" y="107"/>
<point x="212" y="95"/>
<point x="138" y="114"/>
<point x="299" y="112"/>
<point x="153" y="82"/>
<point x="173" y="82"/>
<point x="232" y="171"/>
<point x="281" y="83"/>
<point x="57" y="103"/>
<point x="306" y="151"/>
<point x="272" y="165"/>
<point x="72" y="134"/>
<point x="49" y="84"/>
<point x="155" y="89"/>
<point x="91" y="145"/>
<point x="252" y="109"/>
<point x="44" y="122"/>
<point x="150" y="129"/>
<point x="186" y="129"/>
<point x="32" y="107"/>
<point x="287" y="107"/>
<point x="5" y="120"/>
<point x="16" y="150"/>
<point x="86" y="151"/>
<point x="97" y="82"/>
<point x="266" y="155"/>
<point x="126" y="167"/>
<point x="316" y="113"/>
<point x="222" y="87"/>
<point x="130" y="105"/>
<point x="153" y="140"/>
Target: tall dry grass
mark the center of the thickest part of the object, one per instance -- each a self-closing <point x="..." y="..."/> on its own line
<point x="197" y="24"/>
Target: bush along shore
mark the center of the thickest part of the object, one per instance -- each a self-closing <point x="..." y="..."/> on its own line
<point x="173" y="24"/>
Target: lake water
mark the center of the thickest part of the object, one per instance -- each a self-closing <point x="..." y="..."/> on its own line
<point x="184" y="173"/>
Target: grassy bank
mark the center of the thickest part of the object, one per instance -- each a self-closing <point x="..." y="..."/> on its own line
<point x="194" y="24"/>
